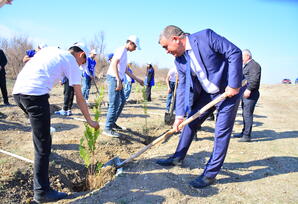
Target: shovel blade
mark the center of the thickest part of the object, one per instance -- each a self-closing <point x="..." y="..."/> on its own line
<point x="113" y="162"/>
<point x="169" y="118"/>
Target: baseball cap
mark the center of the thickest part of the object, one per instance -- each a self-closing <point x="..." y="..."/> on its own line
<point x="110" y="56"/>
<point x="135" y="40"/>
<point x="83" y="47"/>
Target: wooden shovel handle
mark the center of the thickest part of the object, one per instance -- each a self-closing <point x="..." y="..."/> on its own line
<point x="144" y="149"/>
<point x="172" y="131"/>
<point x="207" y="107"/>
<point x="203" y="110"/>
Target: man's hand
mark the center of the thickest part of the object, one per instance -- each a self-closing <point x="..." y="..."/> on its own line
<point x="169" y="90"/>
<point x="176" y="124"/>
<point x="140" y="81"/>
<point x="246" y="93"/>
<point x="93" y="124"/>
<point x="119" y="85"/>
<point x="231" y="91"/>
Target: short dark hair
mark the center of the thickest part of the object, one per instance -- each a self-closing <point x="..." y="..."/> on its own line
<point x="75" y="49"/>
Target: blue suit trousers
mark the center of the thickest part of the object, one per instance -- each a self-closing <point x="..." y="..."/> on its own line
<point x="226" y="114"/>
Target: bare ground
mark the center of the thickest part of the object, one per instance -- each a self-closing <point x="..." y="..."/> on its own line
<point x="262" y="171"/>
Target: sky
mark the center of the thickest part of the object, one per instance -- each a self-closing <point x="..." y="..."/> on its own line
<point x="269" y="28"/>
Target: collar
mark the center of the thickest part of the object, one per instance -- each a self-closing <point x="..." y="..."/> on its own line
<point x="187" y="44"/>
<point x="247" y="62"/>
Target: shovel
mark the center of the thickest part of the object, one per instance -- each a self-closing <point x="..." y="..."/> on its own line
<point x="117" y="162"/>
<point x="170" y="117"/>
<point x="95" y="85"/>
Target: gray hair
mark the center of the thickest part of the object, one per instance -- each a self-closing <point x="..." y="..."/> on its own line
<point x="247" y="51"/>
<point x="170" y="31"/>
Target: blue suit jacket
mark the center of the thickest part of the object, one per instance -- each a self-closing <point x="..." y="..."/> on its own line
<point x="218" y="57"/>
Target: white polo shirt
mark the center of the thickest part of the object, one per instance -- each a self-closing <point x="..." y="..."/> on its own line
<point x="172" y="74"/>
<point x="121" y="55"/>
<point x="46" y="69"/>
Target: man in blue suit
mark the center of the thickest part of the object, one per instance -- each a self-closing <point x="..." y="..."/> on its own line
<point x="208" y="65"/>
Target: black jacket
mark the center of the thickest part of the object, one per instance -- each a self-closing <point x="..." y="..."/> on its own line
<point x="3" y="61"/>
<point x="252" y="73"/>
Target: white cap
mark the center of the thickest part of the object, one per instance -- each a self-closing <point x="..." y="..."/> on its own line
<point x="42" y="45"/>
<point x="83" y="47"/>
<point x="93" y="52"/>
<point x="135" y="40"/>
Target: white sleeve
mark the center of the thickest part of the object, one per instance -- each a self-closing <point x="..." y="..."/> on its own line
<point x="118" y="53"/>
<point x="74" y="74"/>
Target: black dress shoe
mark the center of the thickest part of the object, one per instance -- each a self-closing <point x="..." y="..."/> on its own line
<point x="244" y="139"/>
<point x="50" y="196"/>
<point x="238" y="135"/>
<point x="172" y="161"/>
<point x="201" y="182"/>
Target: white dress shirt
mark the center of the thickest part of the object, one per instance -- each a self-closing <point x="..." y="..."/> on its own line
<point x="207" y="85"/>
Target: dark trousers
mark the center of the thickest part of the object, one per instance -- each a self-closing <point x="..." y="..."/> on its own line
<point x="68" y="96"/>
<point x="148" y="93"/>
<point x="226" y="114"/>
<point x="248" y="106"/>
<point x="38" y="110"/>
<point x="3" y="86"/>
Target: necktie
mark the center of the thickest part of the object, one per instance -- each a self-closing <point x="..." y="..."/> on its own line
<point x="187" y="83"/>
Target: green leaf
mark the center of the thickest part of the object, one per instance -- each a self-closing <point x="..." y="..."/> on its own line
<point x="85" y="156"/>
<point x="99" y="165"/>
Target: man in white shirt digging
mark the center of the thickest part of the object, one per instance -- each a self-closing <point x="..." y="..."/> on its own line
<point x="31" y="93"/>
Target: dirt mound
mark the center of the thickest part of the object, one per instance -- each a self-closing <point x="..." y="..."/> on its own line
<point x="105" y="175"/>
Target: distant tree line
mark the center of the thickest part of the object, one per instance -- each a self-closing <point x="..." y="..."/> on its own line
<point x="15" y="49"/>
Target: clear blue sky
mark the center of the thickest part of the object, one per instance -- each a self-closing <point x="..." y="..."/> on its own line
<point x="269" y="28"/>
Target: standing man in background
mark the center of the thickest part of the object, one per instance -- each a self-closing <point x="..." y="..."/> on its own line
<point x="149" y="81"/>
<point x="171" y="81"/>
<point x="115" y="78"/>
<point x="208" y="65"/>
<point x="252" y="73"/>
<point x="3" y="62"/>
<point x="89" y="74"/>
